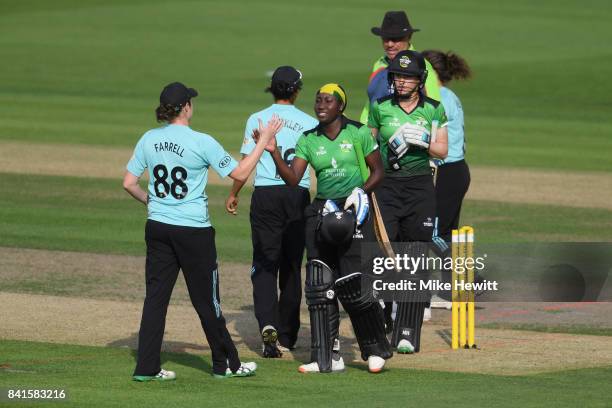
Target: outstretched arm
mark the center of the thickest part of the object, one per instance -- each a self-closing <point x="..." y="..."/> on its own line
<point x="231" y="203"/>
<point x="246" y="165"/>
<point x="290" y="174"/>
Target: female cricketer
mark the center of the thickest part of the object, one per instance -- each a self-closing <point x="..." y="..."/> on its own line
<point x="337" y="223"/>
<point x="178" y="231"/>
<point x="403" y="124"/>
<point x="277" y="219"/>
<point x="453" y="172"/>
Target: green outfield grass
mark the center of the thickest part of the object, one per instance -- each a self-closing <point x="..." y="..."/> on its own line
<point x="90" y="72"/>
<point x="548" y="328"/>
<point x="100" y="377"/>
<point x="96" y="215"/>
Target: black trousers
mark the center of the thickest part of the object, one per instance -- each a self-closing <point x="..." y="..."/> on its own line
<point x="342" y="259"/>
<point x="170" y="248"/>
<point x="408" y="207"/>
<point x="452" y="185"/>
<point x="277" y="231"/>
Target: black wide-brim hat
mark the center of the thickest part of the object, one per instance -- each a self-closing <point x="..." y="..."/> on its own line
<point x="395" y="25"/>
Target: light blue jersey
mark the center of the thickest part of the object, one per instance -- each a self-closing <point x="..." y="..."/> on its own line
<point x="295" y="122"/>
<point x="456" y="137"/>
<point x="178" y="159"/>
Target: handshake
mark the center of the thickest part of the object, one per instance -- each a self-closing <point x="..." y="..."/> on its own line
<point x="408" y="135"/>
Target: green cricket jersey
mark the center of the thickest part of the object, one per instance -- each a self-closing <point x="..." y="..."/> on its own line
<point x="335" y="161"/>
<point x="378" y="86"/>
<point x="387" y="116"/>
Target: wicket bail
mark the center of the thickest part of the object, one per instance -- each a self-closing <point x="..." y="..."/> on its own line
<point x="463" y="308"/>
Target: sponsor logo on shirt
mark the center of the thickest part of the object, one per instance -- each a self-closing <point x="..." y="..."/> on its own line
<point x="335" y="172"/>
<point x="321" y="151"/>
<point x="346" y="146"/>
<point x="225" y="162"/>
<point x="428" y="222"/>
<point x="420" y="122"/>
<point x="395" y="122"/>
<point x="334" y="163"/>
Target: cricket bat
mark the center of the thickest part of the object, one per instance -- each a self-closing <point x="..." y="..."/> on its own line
<point x="379" y="227"/>
<point x="434" y="137"/>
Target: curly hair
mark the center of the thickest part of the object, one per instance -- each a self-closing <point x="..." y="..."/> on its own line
<point x="167" y="113"/>
<point x="448" y="65"/>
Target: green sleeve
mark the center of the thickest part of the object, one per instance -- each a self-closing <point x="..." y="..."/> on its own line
<point x="431" y="83"/>
<point x="373" y="116"/>
<point x="301" y="149"/>
<point x="368" y="144"/>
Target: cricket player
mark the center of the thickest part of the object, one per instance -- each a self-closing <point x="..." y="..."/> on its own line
<point x="178" y="232"/>
<point x="277" y="219"/>
<point x="396" y="34"/>
<point x="337" y="222"/>
<point x="403" y="123"/>
<point x="453" y="178"/>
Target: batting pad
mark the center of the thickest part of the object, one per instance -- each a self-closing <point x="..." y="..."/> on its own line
<point x="366" y="316"/>
<point x="324" y="314"/>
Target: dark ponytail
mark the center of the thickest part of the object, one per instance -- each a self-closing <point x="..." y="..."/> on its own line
<point x="284" y="90"/>
<point x="448" y="65"/>
<point x="167" y="113"/>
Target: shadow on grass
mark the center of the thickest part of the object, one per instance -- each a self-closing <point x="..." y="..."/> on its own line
<point x="172" y="351"/>
<point x="445" y="334"/>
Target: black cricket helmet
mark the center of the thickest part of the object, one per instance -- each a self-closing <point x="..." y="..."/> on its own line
<point x="409" y="63"/>
<point x="337" y="227"/>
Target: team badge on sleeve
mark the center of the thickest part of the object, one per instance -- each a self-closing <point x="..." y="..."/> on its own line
<point x="225" y="161"/>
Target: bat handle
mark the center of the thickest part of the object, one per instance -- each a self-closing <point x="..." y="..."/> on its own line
<point x="434" y="131"/>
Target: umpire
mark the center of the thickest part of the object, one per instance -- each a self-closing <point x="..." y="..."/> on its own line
<point x="396" y="34"/>
<point x="277" y="219"/>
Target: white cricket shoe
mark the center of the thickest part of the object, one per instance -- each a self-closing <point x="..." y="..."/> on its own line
<point x="427" y="314"/>
<point x="438" y="303"/>
<point x="163" y="375"/>
<point x="405" y="347"/>
<point x="337" y="366"/>
<point x="245" y="370"/>
<point x="375" y="364"/>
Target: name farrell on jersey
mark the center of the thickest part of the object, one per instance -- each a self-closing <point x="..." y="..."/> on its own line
<point x="169" y="147"/>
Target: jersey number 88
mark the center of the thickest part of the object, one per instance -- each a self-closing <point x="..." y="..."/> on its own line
<point x="178" y="188"/>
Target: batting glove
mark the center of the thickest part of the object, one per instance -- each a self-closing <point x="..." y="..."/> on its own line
<point x="330" y="207"/>
<point x="359" y="200"/>
<point x="408" y="135"/>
